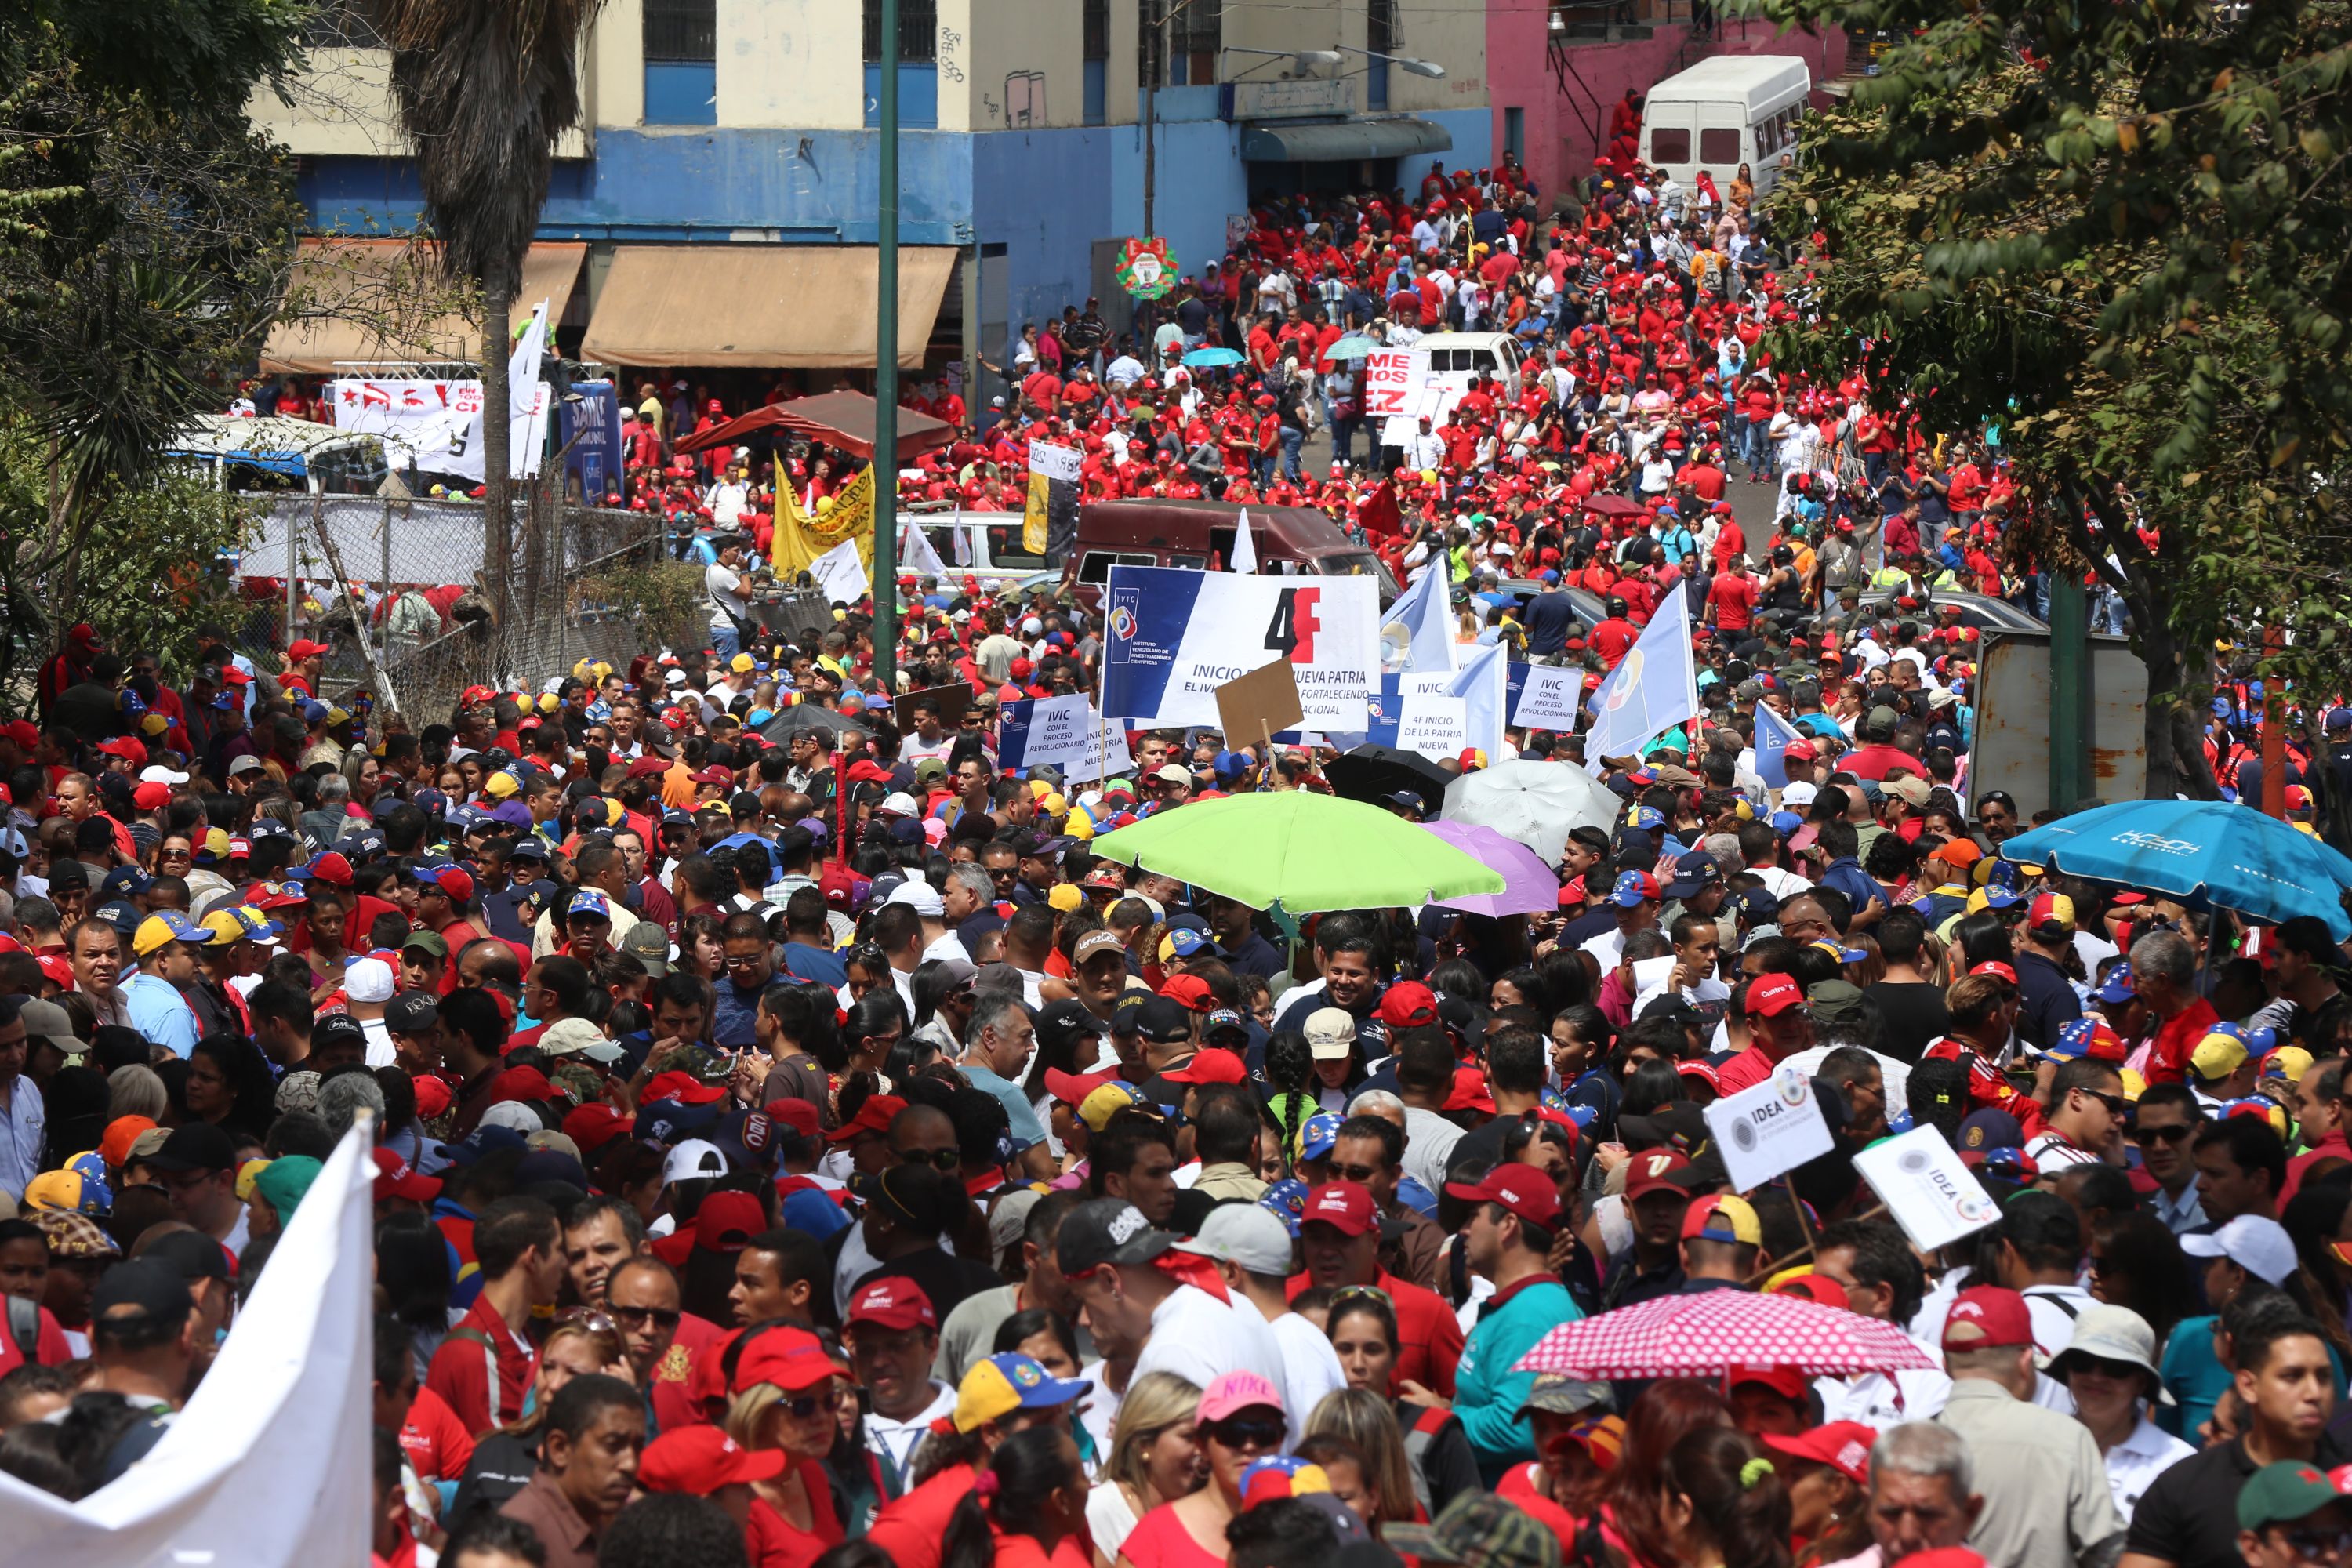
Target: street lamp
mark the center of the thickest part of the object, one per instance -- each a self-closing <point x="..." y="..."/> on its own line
<point x="1305" y="60"/>
<point x="1428" y="69"/>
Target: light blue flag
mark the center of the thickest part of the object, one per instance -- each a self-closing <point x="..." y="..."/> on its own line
<point x="1417" y="633"/>
<point x="1483" y="686"/>
<point x="1654" y="688"/>
<point x="1773" y="734"/>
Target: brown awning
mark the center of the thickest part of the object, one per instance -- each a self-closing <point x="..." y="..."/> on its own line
<point x="806" y="306"/>
<point x="843" y="419"/>
<point x="354" y="302"/>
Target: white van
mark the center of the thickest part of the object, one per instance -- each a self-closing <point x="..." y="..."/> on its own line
<point x="1723" y="113"/>
<point x="1451" y="359"/>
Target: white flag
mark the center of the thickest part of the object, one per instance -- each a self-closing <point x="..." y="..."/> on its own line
<point x="286" y="1402"/>
<point x="1483" y="686"/>
<point x="527" y="398"/>
<point x="1245" y="548"/>
<point x="840" y="573"/>
<point x="1417" y="633"/>
<point x="916" y="554"/>
<point x="1654" y="688"/>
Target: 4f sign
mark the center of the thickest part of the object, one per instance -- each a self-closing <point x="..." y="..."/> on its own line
<point x="1296" y="619"/>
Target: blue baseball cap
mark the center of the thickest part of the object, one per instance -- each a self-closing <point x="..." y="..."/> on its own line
<point x="1990" y="1129"/>
<point x="1286" y="1201"/>
<point x="1185" y="943"/>
<point x="587" y="901"/>
<point x="1648" y="818"/>
<point x="1321" y="1131"/>
<point x="1634" y="887"/>
<point x="1786" y="822"/>
<point x="2118" y="986"/>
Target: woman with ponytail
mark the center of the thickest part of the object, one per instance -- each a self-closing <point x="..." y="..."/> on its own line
<point x="1723" y="1503"/>
<point x="1026" y="1509"/>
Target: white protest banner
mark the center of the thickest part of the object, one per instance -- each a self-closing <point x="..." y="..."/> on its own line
<point x="1062" y="733"/>
<point x="1388" y="384"/>
<point x="285" y="1403"/>
<point x="1055" y="462"/>
<point x="1173" y="637"/>
<point x="840" y="573"/>
<point x="1773" y="1127"/>
<point x="1429" y="720"/>
<point x="1932" y="1195"/>
<point x="437" y="424"/>
<point x="1546" y="696"/>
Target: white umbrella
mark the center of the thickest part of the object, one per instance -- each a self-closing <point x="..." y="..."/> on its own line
<point x="1539" y="804"/>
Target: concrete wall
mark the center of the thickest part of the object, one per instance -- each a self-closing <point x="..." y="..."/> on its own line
<point x="1048" y="243"/>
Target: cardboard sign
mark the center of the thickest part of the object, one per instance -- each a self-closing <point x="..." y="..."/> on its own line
<point x="1253" y="706"/>
<point x="1932" y="1195"/>
<point x="948" y="701"/>
<point x="1774" y="1127"/>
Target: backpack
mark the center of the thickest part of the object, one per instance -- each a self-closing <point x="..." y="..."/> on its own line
<point x="24" y="1328"/>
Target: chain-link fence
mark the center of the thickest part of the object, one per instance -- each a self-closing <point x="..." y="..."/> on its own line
<point x="397" y="588"/>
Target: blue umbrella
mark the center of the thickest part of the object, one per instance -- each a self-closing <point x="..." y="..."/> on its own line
<point x="1212" y="359"/>
<point x="1351" y="348"/>
<point x="2207" y="853"/>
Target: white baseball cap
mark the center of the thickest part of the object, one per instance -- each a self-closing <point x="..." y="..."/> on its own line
<point x="368" y="979"/>
<point x="694" y="1158"/>
<point x="920" y="897"/>
<point x="1331" y="1033"/>
<point x="2258" y="1245"/>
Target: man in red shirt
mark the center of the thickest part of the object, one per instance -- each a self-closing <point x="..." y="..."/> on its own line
<point x="1732" y="596"/>
<point x="1778" y="1027"/>
<point x="1613" y="637"/>
<point x="2164" y="977"/>
<point x="485" y="1368"/>
<point x="1340" y="1235"/>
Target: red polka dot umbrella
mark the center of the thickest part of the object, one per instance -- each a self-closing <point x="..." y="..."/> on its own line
<point x="1701" y="1335"/>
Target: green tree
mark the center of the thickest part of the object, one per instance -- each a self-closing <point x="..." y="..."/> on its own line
<point x="142" y="233"/>
<point x="483" y="89"/>
<point x="2124" y="233"/>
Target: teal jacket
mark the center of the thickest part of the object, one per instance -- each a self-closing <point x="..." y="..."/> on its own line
<point x="1487" y="1394"/>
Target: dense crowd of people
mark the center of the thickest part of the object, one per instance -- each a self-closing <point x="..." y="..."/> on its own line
<point x="793" y="1146"/>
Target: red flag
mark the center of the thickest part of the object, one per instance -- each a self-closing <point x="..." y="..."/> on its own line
<point x="1379" y="514"/>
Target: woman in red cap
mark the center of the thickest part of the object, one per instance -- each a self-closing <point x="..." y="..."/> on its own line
<point x="1827" y="1470"/>
<point x="786" y="1388"/>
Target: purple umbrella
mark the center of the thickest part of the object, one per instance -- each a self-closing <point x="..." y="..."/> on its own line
<point x="1529" y="887"/>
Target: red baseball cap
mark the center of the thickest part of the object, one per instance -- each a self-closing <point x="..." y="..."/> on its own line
<point x="1987" y="1317"/>
<point x="593" y="1125"/>
<point x="726" y="1221"/>
<point x="1787" y="1381"/>
<point x="1191" y="993"/>
<point x="785" y="1358"/>
<point x="1072" y="1087"/>
<point x="1522" y="1189"/>
<point x="874" y="1116"/>
<point x="433" y="1098"/>
<point x="1843" y="1446"/>
<point x="801" y="1115"/>
<point x="1469" y="1091"/>
<point x="1408" y="1004"/>
<point x="520" y="1083"/>
<point x="1770" y="996"/>
<point x="1654" y="1170"/>
<point x="1345" y="1205"/>
<point x="697" y="1460"/>
<point x="396" y="1178"/>
<point x="681" y="1086"/>
<point x="1210" y="1065"/>
<point x="1995" y="968"/>
<point x="892" y="1303"/>
<point x="1819" y="1289"/>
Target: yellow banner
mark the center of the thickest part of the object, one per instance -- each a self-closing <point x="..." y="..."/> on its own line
<point x="801" y="537"/>
<point x="1032" y="522"/>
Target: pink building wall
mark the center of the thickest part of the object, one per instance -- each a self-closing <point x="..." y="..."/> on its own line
<point x="1558" y="127"/>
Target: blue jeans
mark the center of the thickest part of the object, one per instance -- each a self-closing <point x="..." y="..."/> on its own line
<point x="1757" y="453"/>
<point x="1292" y="439"/>
<point x="725" y="642"/>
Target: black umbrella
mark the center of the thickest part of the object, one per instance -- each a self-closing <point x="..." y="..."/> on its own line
<point x="809" y="716"/>
<point x="1374" y="773"/>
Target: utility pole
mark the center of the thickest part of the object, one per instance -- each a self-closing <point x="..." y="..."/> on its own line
<point x="1158" y="23"/>
<point x="2070" y="738"/>
<point x="884" y="463"/>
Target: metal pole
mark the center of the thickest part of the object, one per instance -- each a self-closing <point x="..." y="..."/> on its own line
<point x="2273" y="728"/>
<point x="384" y="637"/>
<point x="885" y="466"/>
<point x="2070" y="692"/>
<point x="1153" y="67"/>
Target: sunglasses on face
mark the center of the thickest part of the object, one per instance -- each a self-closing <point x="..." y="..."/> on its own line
<point x="2143" y="1136"/>
<point x="1247" y="1434"/>
<point x="660" y="1317"/>
<point x="939" y="1158"/>
<point x="2116" y="1103"/>
<point x="805" y="1406"/>
<point x="1362" y="1174"/>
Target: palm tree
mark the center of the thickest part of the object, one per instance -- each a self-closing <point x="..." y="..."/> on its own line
<point x="484" y="88"/>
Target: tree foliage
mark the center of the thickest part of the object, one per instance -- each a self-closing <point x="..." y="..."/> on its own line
<point x="2124" y="235"/>
<point x="143" y="235"/>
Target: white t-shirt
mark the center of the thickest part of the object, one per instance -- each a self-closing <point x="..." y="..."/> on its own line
<point x="722" y="592"/>
<point x="1200" y="1338"/>
<point x="1310" y="1366"/>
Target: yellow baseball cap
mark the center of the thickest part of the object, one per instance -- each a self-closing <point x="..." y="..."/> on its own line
<point x="246" y="1175"/>
<point x="742" y="664"/>
<point x="499" y="785"/>
<point x="2218" y="1055"/>
<point x="1723" y="1218"/>
<point x="1065" y="896"/>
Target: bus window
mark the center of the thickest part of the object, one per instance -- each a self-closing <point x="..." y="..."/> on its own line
<point x="1482" y="361"/>
<point x="1670" y="145"/>
<point x="1719" y="146"/>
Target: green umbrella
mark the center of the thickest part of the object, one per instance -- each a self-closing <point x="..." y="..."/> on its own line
<point x="1300" y="850"/>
